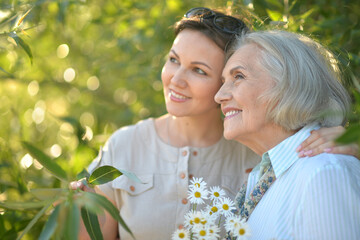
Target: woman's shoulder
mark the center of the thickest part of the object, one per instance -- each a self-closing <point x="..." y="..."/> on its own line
<point x="126" y="134"/>
<point x="325" y="164"/>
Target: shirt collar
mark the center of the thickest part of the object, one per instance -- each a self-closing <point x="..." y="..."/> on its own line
<point x="283" y="155"/>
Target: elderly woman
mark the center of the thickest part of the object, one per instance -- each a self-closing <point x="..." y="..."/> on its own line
<point x="277" y="88"/>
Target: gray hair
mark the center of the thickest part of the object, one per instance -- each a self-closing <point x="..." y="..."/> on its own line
<point x="307" y="80"/>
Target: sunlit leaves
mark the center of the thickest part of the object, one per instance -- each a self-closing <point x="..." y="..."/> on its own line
<point x="103" y="175"/>
<point x="48" y="193"/>
<point x="22" y="44"/>
<point x="34" y="220"/>
<point x="46" y="161"/>
<point x="21" y="19"/>
<point x="72" y="222"/>
<point x="351" y="135"/>
<point x="50" y="225"/>
<point x="110" y="208"/>
<point x="106" y="174"/>
<point x="22" y="205"/>
<point x="91" y="223"/>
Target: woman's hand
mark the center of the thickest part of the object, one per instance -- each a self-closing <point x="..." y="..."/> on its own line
<point x="80" y="185"/>
<point x="322" y="140"/>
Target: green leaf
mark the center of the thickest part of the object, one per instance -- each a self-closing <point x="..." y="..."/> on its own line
<point x="351" y="135"/>
<point x="91" y="223"/>
<point x="131" y="175"/>
<point x="84" y="199"/>
<point x="50" y="225"/>
<point x="10" y="75"/>
<point x="72" y="222"/>
<point x="22" y="44"/>
<point x="22" y="205"/>
<point x="274" y="15"/>
<point x="307" y="14"/>
<point x="46" y="161"/>
<point x="83" y="174"/>
<point x="34" y="220"/>
<point x="48" y="193"/>
<point x="106" y="174"/>
<point x="110" y="208"/>
<point x="103" y="175"/>
<point x="76" y="124"/>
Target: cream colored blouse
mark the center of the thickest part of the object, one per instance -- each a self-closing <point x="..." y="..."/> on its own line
<point x="154" y="210"/>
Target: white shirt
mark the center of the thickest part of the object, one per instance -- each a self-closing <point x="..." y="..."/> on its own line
<point x="156" y="209"/>
<point x="312" y="198"/>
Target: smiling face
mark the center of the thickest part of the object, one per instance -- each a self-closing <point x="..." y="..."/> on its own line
<point x="191" y="75"/>
<point x="244" y="81"/>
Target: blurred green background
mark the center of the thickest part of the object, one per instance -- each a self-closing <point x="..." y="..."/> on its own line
<point x="72" y="72"/>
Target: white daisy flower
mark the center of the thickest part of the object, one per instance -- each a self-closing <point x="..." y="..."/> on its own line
<point x="197" y="195"/>
<point x="232" y="223"/>
<point x="226" y="205"/>
<point x="194" y="218"/>
<point x="212" y="211"/>
<point x="209" y="219"/>
<point x="205" y="232"/>
<point x="242" y="231"/>
<point x="181" y="234"/>
<point x="214" y="231"/>
<point x="216" y="193"/>
<point x="197" y="183"/>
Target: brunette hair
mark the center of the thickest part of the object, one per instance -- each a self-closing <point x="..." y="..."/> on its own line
<point x="206" y="26"/>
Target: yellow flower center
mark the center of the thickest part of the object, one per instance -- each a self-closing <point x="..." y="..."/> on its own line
<point x="241" y="231"/>
<point x="216" y="194"/>
<point x="202" y="233"/>
<point x="197" y="220"/>
<point x="203" y="222"/>
<point x="197" y="194"/>
<point x="225" y="207"/>
<point x="197" y="185"/>
<point x="214" y="209"/>
<point x="181" y="235"/>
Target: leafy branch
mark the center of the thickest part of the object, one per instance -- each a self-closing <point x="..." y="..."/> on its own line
<point x="70" y="204"/>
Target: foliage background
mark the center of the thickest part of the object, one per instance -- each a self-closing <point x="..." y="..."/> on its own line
<point x="95" y="66"/>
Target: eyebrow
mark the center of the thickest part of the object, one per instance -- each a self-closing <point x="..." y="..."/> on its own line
<point x="236" y="68"/>
<point x="195" y="62"/>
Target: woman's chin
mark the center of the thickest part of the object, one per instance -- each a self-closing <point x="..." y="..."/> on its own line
<point x="228" y="135"/>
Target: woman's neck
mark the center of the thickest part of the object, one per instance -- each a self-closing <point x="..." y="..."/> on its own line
<point x="195" y="131"/>
<point x="268" y="138"/>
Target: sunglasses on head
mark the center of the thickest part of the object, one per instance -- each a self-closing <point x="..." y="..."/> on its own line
<point x="225" y="23"/>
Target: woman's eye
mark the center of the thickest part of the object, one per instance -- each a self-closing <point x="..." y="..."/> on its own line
<point x="200" y="71"/>
<point x="239" y="76"/>
<point x="173" y="60"/>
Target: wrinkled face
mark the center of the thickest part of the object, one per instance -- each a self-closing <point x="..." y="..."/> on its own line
<point x="191" y="74"/>
<point x="244" y="81"/>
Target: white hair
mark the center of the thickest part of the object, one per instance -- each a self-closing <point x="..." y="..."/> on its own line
<point x="307" y="80"/>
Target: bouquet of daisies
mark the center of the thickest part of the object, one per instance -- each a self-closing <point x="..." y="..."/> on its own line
<point x="206" y="224"/>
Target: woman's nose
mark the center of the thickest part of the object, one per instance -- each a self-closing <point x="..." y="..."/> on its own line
<point x="179" y="78"/>
<point x="223" y="94"/>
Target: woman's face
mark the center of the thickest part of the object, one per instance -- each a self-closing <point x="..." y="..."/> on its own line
<point x="244" y="81"/>
<point x="191" y="74"/>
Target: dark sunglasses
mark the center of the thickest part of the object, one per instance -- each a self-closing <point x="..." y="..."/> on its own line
<point x="226" y="23"/>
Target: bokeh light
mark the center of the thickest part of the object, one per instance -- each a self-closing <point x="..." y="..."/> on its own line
<point x="62" y="51"/>
<point x="69" y="74"/>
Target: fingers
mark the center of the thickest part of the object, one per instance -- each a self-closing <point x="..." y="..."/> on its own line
<point x="77" y="185"/>
<point x="319" y="140"/>
<point x="324" y="147"/>
<point x="350" y="149"/>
